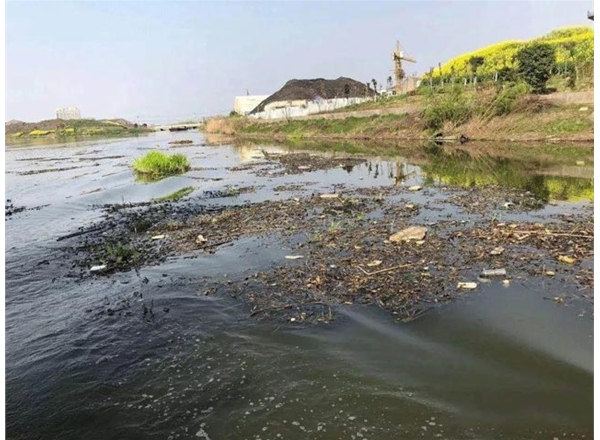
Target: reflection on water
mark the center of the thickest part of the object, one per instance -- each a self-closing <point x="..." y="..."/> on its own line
<point x="466" y="170"/>
<point x="549" y="172"/>
<point x="249" y="153"/>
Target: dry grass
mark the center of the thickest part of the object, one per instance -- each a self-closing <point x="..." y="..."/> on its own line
<point x="226" y="126"/>
<point x="534" y="122"/>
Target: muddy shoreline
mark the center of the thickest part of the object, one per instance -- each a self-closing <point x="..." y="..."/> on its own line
<point x="342" y="249"/>
<point x="579" y="138"/>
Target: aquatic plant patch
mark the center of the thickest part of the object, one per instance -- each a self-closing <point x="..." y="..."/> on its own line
<point x="175" y="195"/>
<point x="156" y="163"/>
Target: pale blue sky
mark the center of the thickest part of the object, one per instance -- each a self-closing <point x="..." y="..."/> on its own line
<point x="168" y="61"/>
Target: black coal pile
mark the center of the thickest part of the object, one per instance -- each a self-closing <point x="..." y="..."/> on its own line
<point x="319" y="88"/>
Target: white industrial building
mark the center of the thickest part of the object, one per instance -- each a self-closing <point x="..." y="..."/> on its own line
<point x="68" y="113"/>
<point x="243" y="105"/>
<point x="299" y="108"/>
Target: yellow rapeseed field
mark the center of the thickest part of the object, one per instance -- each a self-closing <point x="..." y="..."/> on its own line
<point x="572" y="44"/>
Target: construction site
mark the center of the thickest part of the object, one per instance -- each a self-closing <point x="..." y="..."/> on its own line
<point x="303" y="97"/>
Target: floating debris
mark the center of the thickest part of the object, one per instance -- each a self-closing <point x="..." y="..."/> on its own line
<point x="342" y="240"/>
<point x="566" y="259"/>
<point x="293" y="257"/>
<point x="415" y="188"/>
<point x="410" y="233"/>
<point x="493" y="273"/>
<point x="98" y="268"/>
<point x="497" y="251"/>
<point x="202" y="434"/>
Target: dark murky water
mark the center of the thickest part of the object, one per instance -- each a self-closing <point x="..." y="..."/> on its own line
<point x="499" y="363"/>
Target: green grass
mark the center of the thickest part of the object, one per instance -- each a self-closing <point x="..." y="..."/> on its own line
<point x="571" y="125"/>
<point x="156" y="163"/>
<point x="296" y="129"/>
<point x="381" y="102"/>
<point x="175" y="195"/>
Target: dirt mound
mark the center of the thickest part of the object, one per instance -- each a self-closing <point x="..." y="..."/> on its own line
<point x="313" y="89"/>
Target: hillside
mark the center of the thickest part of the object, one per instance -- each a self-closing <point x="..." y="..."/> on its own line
<point x="311" y="89"/>
<point x="574" y="48"/>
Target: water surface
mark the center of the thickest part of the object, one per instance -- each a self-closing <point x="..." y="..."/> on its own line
<point x="501" y="363"/>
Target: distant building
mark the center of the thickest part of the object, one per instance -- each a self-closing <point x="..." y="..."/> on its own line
<point x="243" y="105"/>
<point x="68" y="113"/>
<point x="408" y="84"/>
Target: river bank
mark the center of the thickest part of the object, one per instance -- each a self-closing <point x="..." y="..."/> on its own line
<point x="484" y="116"/>
<point x="19" y="133"/>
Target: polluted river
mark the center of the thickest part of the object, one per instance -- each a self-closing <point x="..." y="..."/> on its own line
<point x="285" y="298"/>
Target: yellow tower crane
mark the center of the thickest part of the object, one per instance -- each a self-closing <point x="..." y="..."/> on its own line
<point x="398" y="56"/>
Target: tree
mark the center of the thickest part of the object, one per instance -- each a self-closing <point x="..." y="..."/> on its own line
<point x="389" y="82"/>
<point x="475" y="62"/>
<point x="374" y="84"/>
<point x="535" y="65"/>
<point x="506" y="74"/>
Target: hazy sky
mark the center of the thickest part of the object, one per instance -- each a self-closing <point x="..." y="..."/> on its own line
<point x="168" y="61"/>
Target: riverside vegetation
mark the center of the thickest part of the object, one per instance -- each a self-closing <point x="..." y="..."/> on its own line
<point x="501" y="92"/>
<point x="503" y="114"/>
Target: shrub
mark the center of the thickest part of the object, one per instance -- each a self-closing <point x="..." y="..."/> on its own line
<point x="157" y="163"/>
<point x="452" y="107"/>
<point x="535" y="65"/>
<point x="505" y="100"/>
